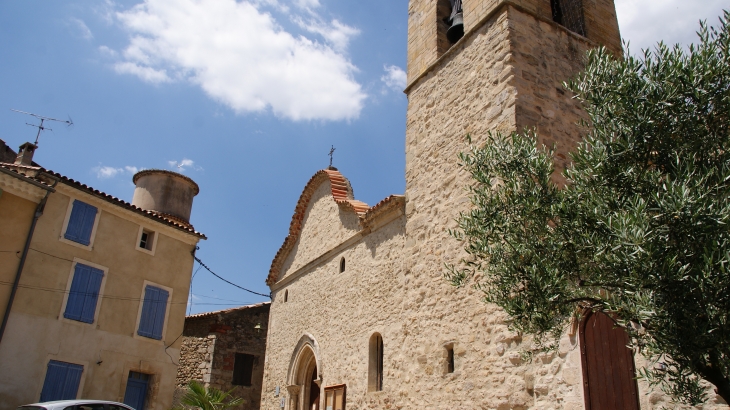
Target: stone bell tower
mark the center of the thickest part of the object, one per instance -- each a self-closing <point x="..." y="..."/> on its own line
<point x="505" y="73"/>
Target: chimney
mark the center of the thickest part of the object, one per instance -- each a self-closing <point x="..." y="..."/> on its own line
<point x="25" y="154"/>
<point x="165" y="192"/>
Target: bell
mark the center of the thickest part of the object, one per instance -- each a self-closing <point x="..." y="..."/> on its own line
<point x="456" y="31"/>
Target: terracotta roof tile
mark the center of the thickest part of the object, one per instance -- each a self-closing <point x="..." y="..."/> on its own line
<point x="37" y="172"/>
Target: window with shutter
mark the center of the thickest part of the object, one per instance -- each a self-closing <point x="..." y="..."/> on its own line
<point x="81" y="223"/>
<point x="84" y="294"/>
<point x="154" y="307"/>
<point x="62" y="381"/>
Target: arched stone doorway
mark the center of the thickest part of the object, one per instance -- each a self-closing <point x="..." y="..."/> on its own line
<point x="304" y="381"/>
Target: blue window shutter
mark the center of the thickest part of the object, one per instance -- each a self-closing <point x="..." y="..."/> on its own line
<point x="136" y="393"/>
<point x="84" y="294"/>
<point x="154" y="307"/>
<point x="81" y="223"/>
<point x="160" y="313"/>
<point x="62" y="381"/>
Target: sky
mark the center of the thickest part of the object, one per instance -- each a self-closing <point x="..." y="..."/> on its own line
<point x="245" y="97"/>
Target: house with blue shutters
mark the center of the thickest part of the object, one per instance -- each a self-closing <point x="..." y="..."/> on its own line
<point x="93" y="289"/>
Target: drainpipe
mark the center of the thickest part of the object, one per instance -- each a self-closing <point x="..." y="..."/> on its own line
<point x="38" y="213"/>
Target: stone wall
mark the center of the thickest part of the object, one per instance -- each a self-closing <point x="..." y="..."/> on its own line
<point x="210" y="344"/>
<point x="196" y="358"/>
<point x="341" y="311"/>
<point x="425" y="37"/>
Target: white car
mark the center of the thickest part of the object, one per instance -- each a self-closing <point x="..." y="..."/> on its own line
<point x="76" y="405"/>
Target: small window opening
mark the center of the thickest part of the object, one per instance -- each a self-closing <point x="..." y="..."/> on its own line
<point x="375" y="373"/>
<point x="569" y="14"/>
<point x="286" y="295"/>
<point x="243" y="369"/>
<point x="342" y="265"/>
<point x="146" y="240"/>
<point x="450" y="358"/>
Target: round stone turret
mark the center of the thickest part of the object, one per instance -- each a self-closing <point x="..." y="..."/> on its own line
<point x="165" y="192"/>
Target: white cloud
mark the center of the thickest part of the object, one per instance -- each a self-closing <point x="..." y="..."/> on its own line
<point x="307" y="3"/>
<point x="644" y="23"/>
<point x="146" y="73"/>
<point x="241" y="57"/>
<point x="81" y="27"/>
<point x="394" y="77"/>
<point x="108" y="51"/>
<point x="107" y="172"/>
<point x="183" y="165"/>
<point x="336" y="33"/>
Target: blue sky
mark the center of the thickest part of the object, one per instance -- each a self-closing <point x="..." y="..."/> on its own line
<point x="244" y="97"/>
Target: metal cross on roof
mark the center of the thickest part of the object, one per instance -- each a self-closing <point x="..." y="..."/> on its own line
<point x="331" y="154"/>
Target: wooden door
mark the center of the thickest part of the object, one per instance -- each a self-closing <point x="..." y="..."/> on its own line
<point x="608" y="365"/>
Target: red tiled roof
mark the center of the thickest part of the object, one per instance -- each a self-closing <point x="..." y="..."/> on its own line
<point x="343" y="196"/>
<point x="36" y="173"/>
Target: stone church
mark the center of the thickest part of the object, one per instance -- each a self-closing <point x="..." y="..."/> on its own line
<point x="361" y="316"/>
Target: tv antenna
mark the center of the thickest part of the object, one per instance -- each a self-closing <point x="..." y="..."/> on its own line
<point x="40" y="126"/>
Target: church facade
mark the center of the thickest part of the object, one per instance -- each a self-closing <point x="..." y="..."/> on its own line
<point x="361" y="315"/>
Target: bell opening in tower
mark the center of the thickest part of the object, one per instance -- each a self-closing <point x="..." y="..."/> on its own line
<point x="450" y="23"/>
<point x="569" y="14"/>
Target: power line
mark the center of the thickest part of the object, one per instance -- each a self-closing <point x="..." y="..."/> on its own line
<point x="227" y="281"/>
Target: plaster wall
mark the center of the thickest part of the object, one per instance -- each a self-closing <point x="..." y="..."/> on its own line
<point x="16" y="214"/>
<point x="324" y="227"/>
<point x="37" y="330"/>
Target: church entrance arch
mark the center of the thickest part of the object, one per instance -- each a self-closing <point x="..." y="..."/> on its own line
<point x="304" y="381"/>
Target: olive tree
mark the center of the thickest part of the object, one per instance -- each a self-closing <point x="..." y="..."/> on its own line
<point x="640" y="227"/>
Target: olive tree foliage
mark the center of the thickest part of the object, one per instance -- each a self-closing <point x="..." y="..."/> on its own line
<point x="641" y="227"/>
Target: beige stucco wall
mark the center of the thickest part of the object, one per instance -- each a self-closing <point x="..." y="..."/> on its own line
<point x="16" y="214"/>
<point x="38" y="332"/>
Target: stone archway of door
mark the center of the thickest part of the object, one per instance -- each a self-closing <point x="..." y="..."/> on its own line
<point x="608" y="365"/>
<point x="305" y="382"/>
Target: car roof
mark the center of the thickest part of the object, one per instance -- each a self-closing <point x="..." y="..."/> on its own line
<point x="60" y="403"/>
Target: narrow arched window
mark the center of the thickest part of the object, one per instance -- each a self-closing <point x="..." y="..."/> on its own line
<point x="286" y="295"/>
<point x="375" y="367"/>
<point x="342" y="264"/>
<point x="450" y="365"/>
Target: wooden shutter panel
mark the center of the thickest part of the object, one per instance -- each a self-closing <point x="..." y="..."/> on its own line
<point x="160" y="309"/>
<point x="154" y="307"/>
<point x="84" y="294"/>
<point x="62" y="381"/>
<point x="81" y="223"/>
